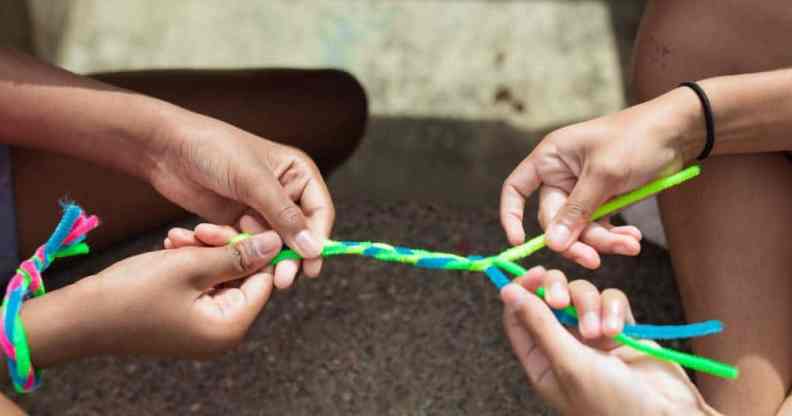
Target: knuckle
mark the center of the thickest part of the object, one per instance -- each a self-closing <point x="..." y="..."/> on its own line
<point x="611" y="172"/>
<point x="577" y="209"/>
<point x="241" y="255"/>
<point x="290" y="217"/>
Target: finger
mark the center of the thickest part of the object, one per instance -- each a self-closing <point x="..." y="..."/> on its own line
<point x="516" y="189"/>
<point x="628" y="230"/>
<point x="167" y="243"/>
<point x="532" y="279"/>
<point x="565" y="228"/>
<point x="566" y="354"/>
<point x="215" y="235"/>
<point x="262" y="191"/>
<point x="533" y="360"/>
<point x="242" y="305"/>
<point x="556" y="292"/>
<point x="180" y="237"/>
<point x="607" y="242"/>
<point x="251" y="222"/>
<point x="551" y="200"/>
<point x="318" y="206"/>
<point x="586" y="299"/>
<point x="312" y="267"/>
<point x="221" y="264"/>
<point x="584" y="255"/>
<point x="615" y="310"/>
<point x="285" y="273"/>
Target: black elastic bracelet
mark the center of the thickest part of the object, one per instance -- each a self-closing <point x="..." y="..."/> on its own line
<point x="709" y="120"/>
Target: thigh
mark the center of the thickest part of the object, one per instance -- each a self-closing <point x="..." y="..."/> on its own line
<point x="728" y="231"/>
<point x="323" y="112"/>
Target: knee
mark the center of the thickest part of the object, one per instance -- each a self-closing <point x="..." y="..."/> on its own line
<point x="348" y="103"/>
<point x="339" y="112"/>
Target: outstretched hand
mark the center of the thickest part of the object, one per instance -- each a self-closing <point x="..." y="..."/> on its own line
<point x="588" y="374"/>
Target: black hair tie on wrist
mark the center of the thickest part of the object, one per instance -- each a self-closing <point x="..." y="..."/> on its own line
<point x="709" y="120"/>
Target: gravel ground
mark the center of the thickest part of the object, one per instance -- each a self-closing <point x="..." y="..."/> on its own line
<point x="366" y="338"/>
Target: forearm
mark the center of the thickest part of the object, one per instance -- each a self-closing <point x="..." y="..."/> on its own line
<point x="61" y="326"/>
<point x="752" y="112"/>
<point x="48" y="108"/>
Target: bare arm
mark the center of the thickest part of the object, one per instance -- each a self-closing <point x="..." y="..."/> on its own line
<point x="204" y="165"/>
<point x="753" y="113"/>
<point x="48" y="108"/>
<point x="579" y="167"/>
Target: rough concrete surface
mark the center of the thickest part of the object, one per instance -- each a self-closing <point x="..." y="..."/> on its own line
<point x="366" y="338"/>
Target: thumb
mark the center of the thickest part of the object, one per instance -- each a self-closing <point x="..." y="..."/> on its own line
<point x="239" y="259"/>
<point x="268" y="197"/>
<point x="565" y="228"/>
<point x="561" y="348"/>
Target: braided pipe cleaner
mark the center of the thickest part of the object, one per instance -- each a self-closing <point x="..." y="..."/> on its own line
<point x="66" y="241"/>
<point x="493" y="267"/>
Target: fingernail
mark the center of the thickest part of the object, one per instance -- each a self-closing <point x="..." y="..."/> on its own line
<point x="591" y="322"/>
<point x="264" y="244"/>
<point x="308" y="244"/>
<point x="559" y="234"/>
<point x="557" y="291"/>
<point x="611" y="319"/>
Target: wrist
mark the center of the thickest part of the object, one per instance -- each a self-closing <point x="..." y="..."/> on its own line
<point x="150" y="134"/>
<point x="76" y="333"/>
<point x="684" y="129"/>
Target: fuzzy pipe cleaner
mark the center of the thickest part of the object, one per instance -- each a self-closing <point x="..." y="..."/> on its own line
<point x="494" y="266"/>
<point x="66" y="241"/>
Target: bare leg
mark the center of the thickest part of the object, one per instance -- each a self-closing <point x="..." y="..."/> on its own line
<point x="728" y="231"/>
<point x="323" y="112"/>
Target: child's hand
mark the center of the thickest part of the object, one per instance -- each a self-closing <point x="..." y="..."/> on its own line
<point x="230" y="176"/>
<point x="593" y="375"/>
<point x="218" y="235"/>
<point x="577" y="168"/>
<point x="188" y="302"/>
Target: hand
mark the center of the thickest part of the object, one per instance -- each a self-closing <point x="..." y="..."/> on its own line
<point x="232" y="177"/>
<point x="213" y="235"/>
<point x="589" y="374"/>
<point x="191" y="302"/>
<point x="578" y="168"/>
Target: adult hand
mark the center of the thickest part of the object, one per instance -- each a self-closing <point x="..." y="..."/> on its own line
<point x="590" y="374"/>
<point x="578" y="168"/>
<point x="230" y="176"/>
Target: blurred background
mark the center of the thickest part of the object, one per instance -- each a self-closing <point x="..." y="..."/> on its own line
<point x="440" y="74"/>
<point x="459" y="92"/>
